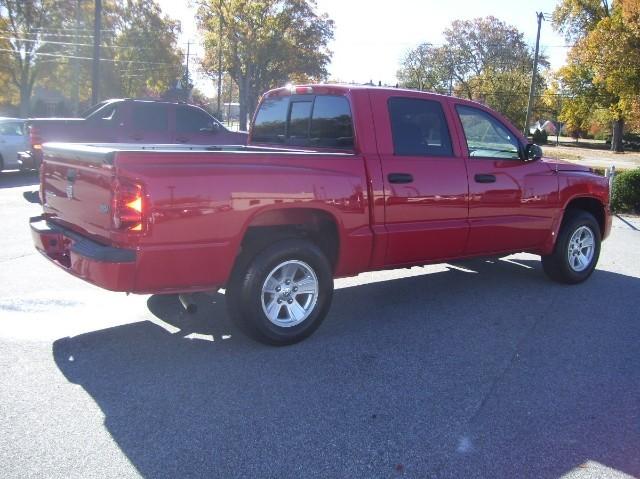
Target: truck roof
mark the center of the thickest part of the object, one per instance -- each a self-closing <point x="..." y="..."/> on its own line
<point x="340" y="88"/>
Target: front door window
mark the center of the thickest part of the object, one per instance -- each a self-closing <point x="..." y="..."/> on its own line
<point x="486" y="137"/>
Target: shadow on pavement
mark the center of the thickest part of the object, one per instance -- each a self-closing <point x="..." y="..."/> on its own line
<point x="12" y="179"/>
<point x="488" y="370"/>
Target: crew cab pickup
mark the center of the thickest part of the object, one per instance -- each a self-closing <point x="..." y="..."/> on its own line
<point x="129" y="121"/>
<point x="335" y="181"/>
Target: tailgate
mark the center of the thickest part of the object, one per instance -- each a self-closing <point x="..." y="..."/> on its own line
<point x="76" y="187"/>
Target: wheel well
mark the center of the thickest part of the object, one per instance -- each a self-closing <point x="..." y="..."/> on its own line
<point x="592" y="206"/>
<point x="314" y="225"/>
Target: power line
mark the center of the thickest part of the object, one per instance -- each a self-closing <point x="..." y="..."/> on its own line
<point x="40" y="29"/>
<point x="50" y="42"/>
<point x="54" y="55"/>
<point x="36" y="34"/>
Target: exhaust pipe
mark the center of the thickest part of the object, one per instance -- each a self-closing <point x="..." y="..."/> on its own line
<point x="188" y="303"/>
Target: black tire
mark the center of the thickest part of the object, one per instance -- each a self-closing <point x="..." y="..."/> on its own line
<point x="557" y="265"/>
<point x="245" y="294"/>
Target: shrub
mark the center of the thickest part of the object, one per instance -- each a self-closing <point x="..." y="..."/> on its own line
<point x="626" y="191"/>
<point x="540" y="137"/>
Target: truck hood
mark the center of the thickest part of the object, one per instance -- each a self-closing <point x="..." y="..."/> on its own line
<point x="562" y="165"/>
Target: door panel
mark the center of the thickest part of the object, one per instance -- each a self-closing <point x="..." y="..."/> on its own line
<point x="426" y="188"/>
<point x="426" y="219"/>
<point x="514" y="212"/>
<point x="512" y="202"/>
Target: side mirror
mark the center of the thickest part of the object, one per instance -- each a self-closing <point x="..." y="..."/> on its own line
<point x="532" y="152"/>
<point x="211" y="128"/>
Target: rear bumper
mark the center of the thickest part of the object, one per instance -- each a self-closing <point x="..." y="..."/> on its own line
<point x="105" y="266"/>
<point x="28" y="161"/>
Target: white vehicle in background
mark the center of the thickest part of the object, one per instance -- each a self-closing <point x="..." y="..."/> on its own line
<point x="12" y="140"/>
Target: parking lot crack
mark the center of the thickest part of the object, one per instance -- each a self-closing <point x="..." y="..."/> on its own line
<point x="512" y="360"/>
<point x="16" y="257"/>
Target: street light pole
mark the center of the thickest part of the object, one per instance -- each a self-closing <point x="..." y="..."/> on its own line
<point x="532" y="89"/>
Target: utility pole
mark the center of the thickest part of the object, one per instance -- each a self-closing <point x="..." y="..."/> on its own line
<point x="95" y="76"/>
<point x="558" y="111"/>
<point x="532" y="89"/>
<point x="75" y="90"/>
<point x="219" y="58"/>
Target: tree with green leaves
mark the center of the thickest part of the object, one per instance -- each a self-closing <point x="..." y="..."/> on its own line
<point x="264" y="43"/>
<point x="145" y="50"/>
<point x="603" y="66"/>
<point x="425" y="68"/>
<point x="482" y="59"/>
<point x="50" y="43"/>
<point x="24" y="53"/>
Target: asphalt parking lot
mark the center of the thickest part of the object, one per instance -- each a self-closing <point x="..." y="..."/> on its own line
<point x="484" y="369"/>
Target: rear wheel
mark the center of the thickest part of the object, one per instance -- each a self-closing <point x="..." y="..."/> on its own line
<point x="576" y="251"/>
<point x="281" y="295"/>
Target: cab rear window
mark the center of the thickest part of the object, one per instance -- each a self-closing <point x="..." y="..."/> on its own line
<point x="305" y="120"/>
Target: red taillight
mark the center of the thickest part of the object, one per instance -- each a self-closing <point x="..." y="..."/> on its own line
<point x="128" y="206"/>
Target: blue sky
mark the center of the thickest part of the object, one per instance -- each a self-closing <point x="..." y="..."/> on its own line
<point x="372" y="37"/>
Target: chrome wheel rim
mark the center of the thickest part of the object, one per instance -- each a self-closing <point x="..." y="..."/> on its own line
<point x="581" y="249"/>
<point x="290" y="293"/>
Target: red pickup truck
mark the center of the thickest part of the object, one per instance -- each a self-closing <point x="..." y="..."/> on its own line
<point x="129" y="121"/>
<point x="336" y="180"/>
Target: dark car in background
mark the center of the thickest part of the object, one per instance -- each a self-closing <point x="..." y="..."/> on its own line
<point x="130" y="121"/>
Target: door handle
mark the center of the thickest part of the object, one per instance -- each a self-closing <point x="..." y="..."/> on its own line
<point x="485" y="178"/>
<point x="400" y="178"/>
<point x="181" y="140"/>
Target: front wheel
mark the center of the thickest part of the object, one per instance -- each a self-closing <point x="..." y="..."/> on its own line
<point x="577" y="249"/>
<point x="282" y="295"/>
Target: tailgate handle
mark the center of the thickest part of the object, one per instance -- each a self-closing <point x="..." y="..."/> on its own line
<point x="400" y="178"/>
<point x="72" y="175"/>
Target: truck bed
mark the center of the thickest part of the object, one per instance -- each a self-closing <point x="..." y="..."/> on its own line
<point x="196" y="201"/>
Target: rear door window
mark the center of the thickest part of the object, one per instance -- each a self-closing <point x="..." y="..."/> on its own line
<point x="419" y="128"/>
<point x="148" y="116"/>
